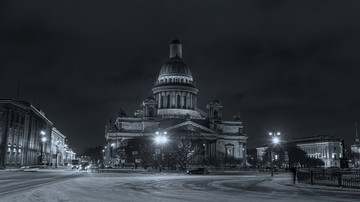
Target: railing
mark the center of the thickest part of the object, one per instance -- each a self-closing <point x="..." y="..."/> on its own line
<point x="331" y="178"/>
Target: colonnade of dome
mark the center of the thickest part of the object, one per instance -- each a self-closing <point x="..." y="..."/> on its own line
<point x="175" y="88"/>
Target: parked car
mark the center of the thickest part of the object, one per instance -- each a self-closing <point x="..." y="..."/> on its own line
<point x="203" y="171"/>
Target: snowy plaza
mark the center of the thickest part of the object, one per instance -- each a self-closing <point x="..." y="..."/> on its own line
<point x="67" y="185"/>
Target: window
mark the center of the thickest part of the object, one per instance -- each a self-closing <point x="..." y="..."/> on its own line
<point x="229" y="150"/>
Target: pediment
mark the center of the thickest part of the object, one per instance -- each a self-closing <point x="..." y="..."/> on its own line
<point x="190" y="126"/>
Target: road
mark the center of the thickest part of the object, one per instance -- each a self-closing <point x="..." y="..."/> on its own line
<point x="86" y="186"/>
<point x="14" y="182"/>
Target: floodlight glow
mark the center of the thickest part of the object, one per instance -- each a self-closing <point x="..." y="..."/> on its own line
<point x="278" y="133"/>
<point x="276" y="140"/>
<point x="164" y="139"/>
<point x="270" y="133"/>
<point x="157" y="133"/>
<point x="43" y="139"/>
<point x="160" y="139"/>
<point x="42" y="132"/>
<point x="165" y="132"/>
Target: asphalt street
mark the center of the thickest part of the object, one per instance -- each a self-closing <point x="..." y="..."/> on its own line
<point x="87" y="186"/>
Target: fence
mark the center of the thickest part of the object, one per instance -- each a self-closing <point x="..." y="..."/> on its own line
<point x="331" y="178"/>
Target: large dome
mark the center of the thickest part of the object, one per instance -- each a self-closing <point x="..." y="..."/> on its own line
<point x="175" y="66"/>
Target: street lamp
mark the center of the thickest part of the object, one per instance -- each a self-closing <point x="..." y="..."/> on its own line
<point x="275" y="140"/>
<point x="160" y="139"/>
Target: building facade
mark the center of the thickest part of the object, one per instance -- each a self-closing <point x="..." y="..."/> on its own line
<point x="69" y="156"/>
<point x="172" y="108"/>
<point x="57" y="147"/>
<point x="22" y="127"/>
<point x="323" y="147"/>
<point x="27" y="136"/>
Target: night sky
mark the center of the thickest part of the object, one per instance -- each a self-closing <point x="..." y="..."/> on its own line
<point x="289" y="67"/>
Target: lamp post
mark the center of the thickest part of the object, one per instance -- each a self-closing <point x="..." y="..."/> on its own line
<point x="111" y="152"/>
<point x="43" y="140"/>
<point x="160" y="139"/>
<point x="275" y="140"/>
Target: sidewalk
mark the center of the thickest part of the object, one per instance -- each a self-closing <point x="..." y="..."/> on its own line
<point x="286" y="180"/>
<point x="46" y="169"/>
<point x="11" y="170"/>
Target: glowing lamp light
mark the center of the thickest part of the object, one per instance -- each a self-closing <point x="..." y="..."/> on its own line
<point x="42" y="132"/>
<point x="43" y="139"/>
<point x="276" y="140"/>
<point x="161" y="139"/>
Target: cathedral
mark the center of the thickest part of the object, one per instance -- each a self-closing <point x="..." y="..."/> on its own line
<point x="171" y="111"/>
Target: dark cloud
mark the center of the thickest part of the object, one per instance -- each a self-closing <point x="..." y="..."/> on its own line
<point x="286" y="65"/>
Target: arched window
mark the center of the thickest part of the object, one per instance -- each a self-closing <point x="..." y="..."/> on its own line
<point x="216" y="114"/>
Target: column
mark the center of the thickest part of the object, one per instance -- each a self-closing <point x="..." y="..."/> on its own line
<point x="191" y="101"/>
<point x="182" y="100"/>
<point x="172" y="100"/>
<point x="159" y="100"/>
<point x="187" y="106"/>
<point x="176" y="99"/>
<point x="163" y="100"/>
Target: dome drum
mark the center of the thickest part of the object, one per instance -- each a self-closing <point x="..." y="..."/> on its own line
<point x="175" y="89"/>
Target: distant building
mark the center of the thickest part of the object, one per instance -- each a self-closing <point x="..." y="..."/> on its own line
<point x="69" y="156"/>
<point x="260" y="151"/>
<point x="57" y="147"/>
<point x="324" y="147"/>
<point x="355" y="148"/>
<point x="172" y="107"/>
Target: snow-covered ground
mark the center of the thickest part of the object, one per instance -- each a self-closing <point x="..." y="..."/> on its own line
<point x="180" y="187"/>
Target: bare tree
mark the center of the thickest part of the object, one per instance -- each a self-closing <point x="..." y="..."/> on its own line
<point x="185" y="146"/>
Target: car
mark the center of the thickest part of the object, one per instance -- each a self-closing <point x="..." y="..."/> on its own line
<point x="30" y="168"/>
<point x="84" y="166"/>
<point x="75" y="166"/>
<point x="203" y="171"/>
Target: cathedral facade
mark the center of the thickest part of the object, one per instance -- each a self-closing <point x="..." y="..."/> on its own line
<point x="171" y="110"/>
